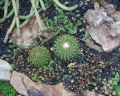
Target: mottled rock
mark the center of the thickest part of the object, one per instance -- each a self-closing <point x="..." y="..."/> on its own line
<point x="116" y="16"/>
<point x="95" y="18"/>
<point x="41" y="90"/>
<point x="20" y="82"/>
<point x="61" y="90"/>
<point x="110" y="9"/>
<point x="115" y="29"/>
<point x="27" y="87"/>
<point x="89" y="93"/>
<point x="91" y="43"/>
<point x="105" y="35"/>
<point x="28" y="34"/>
<point x="5" y="69"/>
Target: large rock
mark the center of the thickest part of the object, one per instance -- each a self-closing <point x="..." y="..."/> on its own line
<point x="29" y="33"/>
<point x="26" y="87"/>
<point x="20" y="82"/>
<point x="5" y="69"/>
<point x="91" y="43"/>
<point x="103" y="37"/>
<point x="89" y="93"/>
<point x="93" y="19"/>
<point x="103" y="28"/>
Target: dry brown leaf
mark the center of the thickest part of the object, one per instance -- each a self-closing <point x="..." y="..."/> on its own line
<point x="72" y="64"/>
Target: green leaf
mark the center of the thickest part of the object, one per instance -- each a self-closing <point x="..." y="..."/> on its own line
<point x="117" y="79"/>
<point x="117" y="89"/>
<point x="83" y="39"/>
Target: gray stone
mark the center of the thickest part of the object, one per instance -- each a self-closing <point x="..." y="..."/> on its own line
<point x="116" y="16"/>
<point x="104" y="32"/>
<point x="95" y="18"/>
<point x="110" y="9"/>
<point x="28" y="34"/>
<point x="5" y="69"/>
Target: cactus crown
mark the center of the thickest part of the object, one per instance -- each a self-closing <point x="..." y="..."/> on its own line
<point x="40" y="56"/>
<point x="66" y="47"/>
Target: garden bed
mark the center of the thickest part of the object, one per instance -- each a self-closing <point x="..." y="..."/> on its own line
<point x="81" y="68"/>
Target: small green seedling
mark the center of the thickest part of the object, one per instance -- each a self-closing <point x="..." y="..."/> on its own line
<point x="115" y="83"/>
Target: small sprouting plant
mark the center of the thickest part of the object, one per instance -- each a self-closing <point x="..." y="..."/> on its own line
<point x="115" y="83"/>
<point x="40" y="56"/>
<point x="102" y="2"/>
<point x="7" y="89"/>
<point x="66" y="47"/>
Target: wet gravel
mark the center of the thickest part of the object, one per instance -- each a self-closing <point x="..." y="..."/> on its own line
<point x="70" y="80"/>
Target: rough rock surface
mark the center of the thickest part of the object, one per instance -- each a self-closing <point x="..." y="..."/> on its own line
<point x="27" y="87"/>
<point x="95" y="17"/>
<point x="5" y="69"/>
<point x="28" y="34"/>
<point x="61" y="90"/>
<point x="89" y="93"/>
<point x="103" y="28"/>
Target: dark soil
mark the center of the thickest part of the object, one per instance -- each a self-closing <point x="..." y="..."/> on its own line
<point x="91" y="65"/>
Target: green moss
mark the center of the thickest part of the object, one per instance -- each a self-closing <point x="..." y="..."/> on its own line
<point x="6" y="89"/>
<point x="66" y="47"/>
<point x="40" y="56"/>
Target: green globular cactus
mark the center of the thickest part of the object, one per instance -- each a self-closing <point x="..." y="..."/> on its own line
<point x="66" y="47"/>
<point x="40" y="56"/>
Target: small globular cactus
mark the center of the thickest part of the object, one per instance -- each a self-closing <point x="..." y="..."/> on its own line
<point x="40" y="56"/>
<point x="66" y="47"/>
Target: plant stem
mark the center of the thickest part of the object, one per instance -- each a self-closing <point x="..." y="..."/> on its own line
<point x="36" y="14"/>
<point x="16" y="8"/>
<point x="10" y="14"/>
<point x="42" y="5"/>
<point x="28" y="16"/>
<point x="64" y="7"/>
<point x="9" y="30"/>
<point x="5" y="11"/>
<point x="6" y="8"/>
<point x="24" y="23"/>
